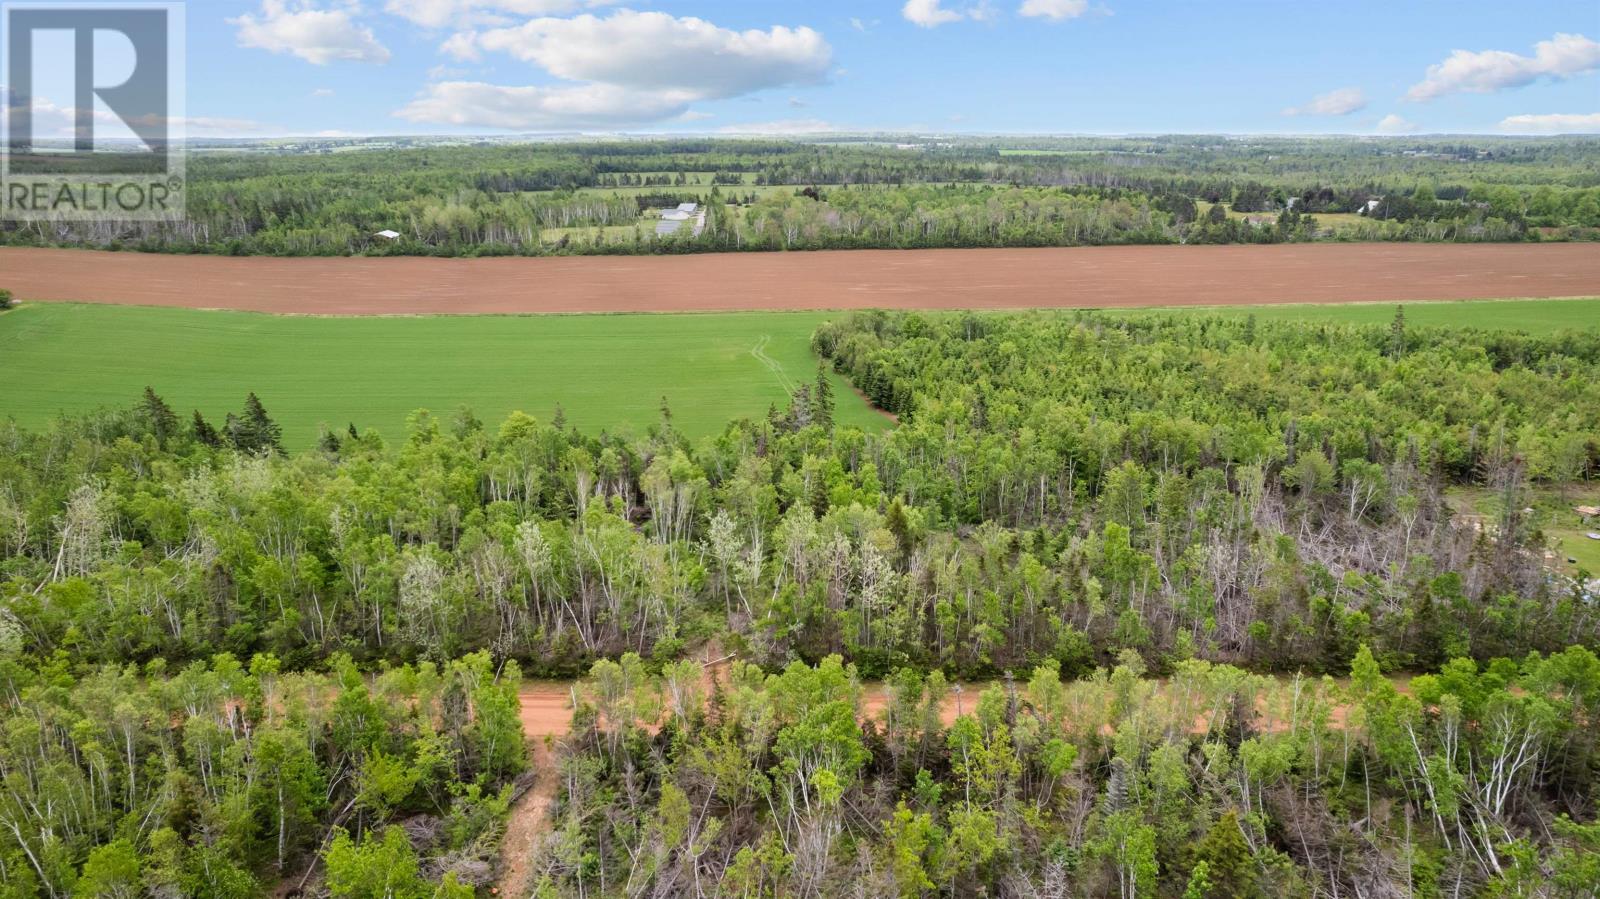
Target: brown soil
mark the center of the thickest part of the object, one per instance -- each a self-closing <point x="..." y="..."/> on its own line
<point x="906" y="279"/>
<point x="527" y="824"/>
<point x="546" y="711"/>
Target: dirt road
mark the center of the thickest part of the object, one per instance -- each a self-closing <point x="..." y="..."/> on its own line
<point x="904" y="279"/>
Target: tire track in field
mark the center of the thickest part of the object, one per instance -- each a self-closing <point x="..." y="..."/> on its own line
<point x="759" y="351"/>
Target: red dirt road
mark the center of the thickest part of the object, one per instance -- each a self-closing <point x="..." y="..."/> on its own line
<point x="902" y="279"/>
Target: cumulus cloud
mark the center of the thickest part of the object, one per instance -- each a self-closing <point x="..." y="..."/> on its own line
<point x="628" y="68"/>
<point x="1057" y="10"/>
<point x="587" y="106"/>
<point x="785" y="126"/>
<point x="1553" y="123"/>
<point x="932" y="13"/>
<point x="1343" y="101"/>
<point x="654" y="51"/>
<point x="315" y="34"/>
<point x="1488" y="71"/>
<point x="1393" y="124"/>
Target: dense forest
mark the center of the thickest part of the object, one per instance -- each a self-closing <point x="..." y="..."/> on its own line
<point x="1479" y="781"/>
<point x="224" y="667"/>
<point x="448" y="198"/>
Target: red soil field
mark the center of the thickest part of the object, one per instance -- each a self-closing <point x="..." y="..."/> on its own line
<point x="899" y="279"/>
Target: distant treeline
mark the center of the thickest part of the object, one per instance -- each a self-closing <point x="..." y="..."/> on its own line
<point x="505" y="198"/>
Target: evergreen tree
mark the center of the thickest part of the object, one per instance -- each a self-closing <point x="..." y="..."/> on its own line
<point x="6" y="300"/>
<point x="329" y="443"/>
<point x="898" y="525"/>
<point x="1397" y="333"/>
<point x="203" y="431"/>
<point x="1230" y="869"/>
<point x="824" y="398"/>
<point x="163" y="421"/>
<point x="254" y="431"/>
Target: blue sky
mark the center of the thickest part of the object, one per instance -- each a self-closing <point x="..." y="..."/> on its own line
<point x="1044" y="66"/>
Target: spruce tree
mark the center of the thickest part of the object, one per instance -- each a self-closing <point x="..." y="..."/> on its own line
<point x="255" y="431"/>
<point x="824" y="398"/>
<point x="900" y="526"/>
<point x="1397" y="333"/>
<point x="204" y="432"/>
<point x="163" y="421"/>
<point x="1229" y="866"/>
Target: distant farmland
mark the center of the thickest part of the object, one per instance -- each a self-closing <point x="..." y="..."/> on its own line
<point x="1109" y="277"/>
<point x="608" y="371"/>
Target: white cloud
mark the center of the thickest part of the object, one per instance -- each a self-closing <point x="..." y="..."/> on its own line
<point x="322" y="92"/>
<point x="1553" y="123"/>
<point x="1058" y="10"/>
<point x="930" y="14"/>
<point x="1343" y="101"/>
<point x="785" y="126"/>
<point x="1488" y="71"/>
<point x="1393" y="124"/>
<point x="629" y="68"/>
<point x="461" y="45"/>
<point x="653" y="51"/>
<point x="534" y="108"/>
<point x="316" y="35"/>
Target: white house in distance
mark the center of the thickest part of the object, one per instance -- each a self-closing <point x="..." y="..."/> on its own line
<point x="388" y="235"/>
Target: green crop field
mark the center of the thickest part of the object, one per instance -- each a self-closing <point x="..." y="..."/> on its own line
<point x="1532" y="316"/>
<point x="607" y="371"/>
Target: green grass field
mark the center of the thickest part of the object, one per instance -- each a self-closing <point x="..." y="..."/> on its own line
<point x="1566" y="535"/>
<point x="1532" y="316"/>
<point x="608" y="371"/>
